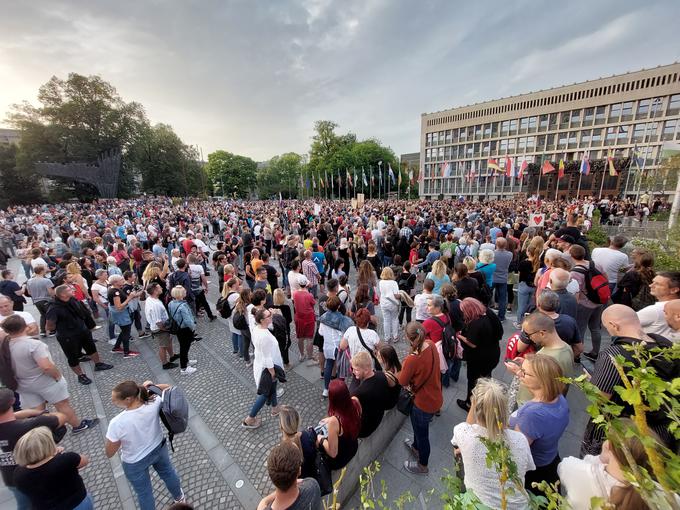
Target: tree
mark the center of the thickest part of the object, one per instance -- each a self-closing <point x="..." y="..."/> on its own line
<point x="15" y="186"/>
<point x="280" y="175"/>
<point x="231" y="174"/>
<point x="78" y="118"/>
<point x="167" y="166"/>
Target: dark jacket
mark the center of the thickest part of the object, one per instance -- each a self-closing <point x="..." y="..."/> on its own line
<point x="265" y="385"/>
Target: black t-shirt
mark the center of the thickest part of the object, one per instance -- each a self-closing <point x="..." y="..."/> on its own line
<point x="10" y="432"/>
<point x="67" y="315"/>
<point x="56" y="485"/>
<point x="121" y="293"/>
<point x="567" y="329"/>
<point x="271" y="277"/>
<point x="372" y="394"/>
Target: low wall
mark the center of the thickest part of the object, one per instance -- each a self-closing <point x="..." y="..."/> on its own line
<point x="369" y="449"/>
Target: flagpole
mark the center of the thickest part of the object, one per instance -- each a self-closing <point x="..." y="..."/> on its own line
<point x="630" y="165"/>
<point x="540" y="173"/>
<point x="521" y="181"/>
<point x="370" y="183"/>
<point x="578" y="190"/>
<point x="604" y="170"/>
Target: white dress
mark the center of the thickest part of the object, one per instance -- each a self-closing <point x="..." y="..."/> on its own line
<point x="267" y="352"/>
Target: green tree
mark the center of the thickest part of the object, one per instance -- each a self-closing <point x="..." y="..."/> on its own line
<point x="78" y="118"/>
<point x="15" y="186"/>
<point x="231" y="174"/>
<point x="167" y="166"/>
<point x="280" y="175"/>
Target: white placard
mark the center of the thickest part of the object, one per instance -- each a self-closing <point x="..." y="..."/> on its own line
<point x="536" y="220"/>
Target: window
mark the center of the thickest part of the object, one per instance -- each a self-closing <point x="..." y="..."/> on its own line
<point x="674" y="105"/>
<point x="504" y="146"/>
<point x="611" y="135"/>
<point x="531" y="142"/>
<point x="435" y="138"/>
<point x="513" y="126"/>
<point x="447" y="153"/>
<point x="599" y="115"/>
<point x="540" y="142"/>
<point x="615" y="111"/>
<point x="470" y="132"/>
<point x="588" y="115"/>
<point x="511" y="144"/>
<point x="468" y="150"/>
<point x="553" y="121"/>
<point x="448" y="136"/>
<point x="638" y="132"/>
<point x="562" y="140"/>
<point x="623" y="134"/>
<point x="486" y="148"/>
<point x="463" y="134"/>
<point x="505" y="126"/>
<point x="532" y="124"/>
<point x="585" y="137"/>
<point x="643" y="108"/>
<point x="572" y="139"/>
<point x="524" y="124"/>
<point x="428" y="139"/>
<point x="522" y="144"/>
<point x="564" y="120"/>
<point x="597" y="137"/>
<point x="478" y="132"/>
<point x="543" y="122"/>
<point x="575" y="117"/>
<point x="627" y="111"/>
<point x="669" y="129"/>
<point x="487" y="130"/>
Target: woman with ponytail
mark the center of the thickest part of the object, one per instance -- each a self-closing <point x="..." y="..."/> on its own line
<point x="136" y="433"/>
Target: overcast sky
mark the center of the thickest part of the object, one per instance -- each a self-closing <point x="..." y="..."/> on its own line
<point x="251" y="77"/>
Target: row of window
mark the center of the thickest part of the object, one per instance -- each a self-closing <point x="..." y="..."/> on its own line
<point x="559" y="98"/>
<point x="619" y="112"/>
<point x="616" y="135"/>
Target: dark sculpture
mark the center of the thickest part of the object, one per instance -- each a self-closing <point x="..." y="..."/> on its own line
<point x="103" y="175"/>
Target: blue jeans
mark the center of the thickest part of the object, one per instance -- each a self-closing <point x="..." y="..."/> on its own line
<point x="85" y="504"/>
<point x="328" y="370"/>
<point x="525" y="297"/>
<point x="23" y="503"/>
<point x="261" y="400"/>
<point x="236" y="342"/>
<point x="420" y="421"/>
<point x="501" y="292"/>
<point x="137" y="474"/>
<point x="452" y="372"/>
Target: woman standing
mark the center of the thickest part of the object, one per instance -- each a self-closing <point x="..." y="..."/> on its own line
<point x="373" y="258"/>
<point x="465" y="285"/>
<point x="332" y="326"/>
<point x="362" y="300"/>
<point x="389" y="305"/>
<point x="241" y="321"/>
<point x="367" y="277"/>
<point x="350" y="338"/>
<point x="406" y="281"/>
<point x="180" y="313"/>
<point x="544" y="418"/>
<point x="633" y="288"/>
<point x="488" y="418"/>
<point x="48" y="475"/>
<point x="267" y="356"/>
<point x="526" y="291"/>
<point x="481" y="349"/>
<point x="100" y="291"/>
<point x="486" y="266"/>
<point x="421" y="373"/>
<point x="119" y="299"/>
<point x="438" y="275"/>
<point x="305" y="320"/>
<point x="136" y="433"/>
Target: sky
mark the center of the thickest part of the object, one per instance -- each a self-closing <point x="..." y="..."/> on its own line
<point x="251" y="77"/>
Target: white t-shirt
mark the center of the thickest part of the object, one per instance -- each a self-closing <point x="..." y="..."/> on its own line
<point x="267" y="353"/>
<point x="653" y="320"/>
<point x="611" y="261"/>
<point x="370" y="337"/>
<point x="102" y="290"/>
<point x="38" y="262"/>
<point x="155" y="312"/>
<point x="28" y="318"/>
<point x="388" y="288"/>
<point x="138" y="430"/>
<point x="484" y="481"/>
<point x="420" y="306"/>
<point x="293" y="281"/>
<point x="583" y="479"/>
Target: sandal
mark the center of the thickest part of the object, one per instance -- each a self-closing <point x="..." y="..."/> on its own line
<point x="257" y="424"/>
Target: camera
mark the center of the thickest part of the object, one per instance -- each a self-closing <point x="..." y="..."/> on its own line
<point x="136" y="288"/>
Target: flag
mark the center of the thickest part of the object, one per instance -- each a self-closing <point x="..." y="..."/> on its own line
<point x="472" y="171"/>
<point x="522" y="169"/>
<point x="314" y="181"/>
<point x="321" y="183"/>
<point x="349" y="179"/>
<point x="585" y="164"/>
<point x="399" y="177"/>
<point x="508" y="167"/>
<point x="391" y="173"/>
<point x="421" y="174"/>
<point x="363" y="175"/>
<point x="493" y="165"/>
<point x="447" y="170"/>
<point x="280" y="197"/>
<point x="560" y="169"/>
<point x="410" y="176"/>
<point x="307" y="182"/>
<point x="610" y="164"/>
<point x="547" y="167"/>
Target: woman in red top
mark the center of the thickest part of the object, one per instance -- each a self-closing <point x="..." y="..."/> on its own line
<point x="305" y="319"/>
<point x="420" y="372"/>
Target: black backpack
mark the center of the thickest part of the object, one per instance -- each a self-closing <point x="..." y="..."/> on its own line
<point x="449" y="339"/>
<point x="58" y="277"/>
<point x="223" y="306"/>
<point x="7" y="376"/>
<point x="240" y="321"/>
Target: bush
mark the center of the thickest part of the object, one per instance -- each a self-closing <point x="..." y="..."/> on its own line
<point x="597" y="236"/>
<point x="666" y="253"/>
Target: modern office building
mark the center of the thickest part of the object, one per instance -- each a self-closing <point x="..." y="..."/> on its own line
<point x="10" y="136"/>
<point x="611" y="117"/>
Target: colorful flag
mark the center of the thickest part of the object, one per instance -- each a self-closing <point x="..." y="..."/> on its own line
<point x="493" y="165"/>
<point x="547" y="167"/>
<point x="391" y="173"/>
<point x="610" y="164"/>
<point x="410" y="176"/>
<point x="472" y="171"/>
<point x="560" y="169"/>
<point x="314" y="181"/>
<point x="321" y="183"/>
<point x="508" y="167"/>
<point x="447" y="170"/>
<point x="307" y="182"/>
<point x="585" y="164"/>
<point x="522" y="169"/>
<point x="421" y="175"/>
<point x="399" y="177"/>
<point x="363" y="175"/>
<point x="349" y="179"/>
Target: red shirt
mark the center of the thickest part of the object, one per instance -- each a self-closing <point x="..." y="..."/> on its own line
<point x="187" y="244"/>
<point x="433" y="331"/>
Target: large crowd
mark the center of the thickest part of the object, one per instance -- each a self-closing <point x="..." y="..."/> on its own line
<point x="441" y="276"/>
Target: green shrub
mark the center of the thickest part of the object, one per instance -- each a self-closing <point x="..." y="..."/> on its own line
<point x="597" y="235"/>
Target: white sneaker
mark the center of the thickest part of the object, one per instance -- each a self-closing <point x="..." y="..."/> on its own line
<point x="188" y="370"/>
<point x="192" y="361"/>
<point x="280" y="392"/>
<point x="324" y="394"/>
<point x="112" y="341"/>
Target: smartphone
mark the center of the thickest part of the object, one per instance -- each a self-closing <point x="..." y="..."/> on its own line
<point x="321" y="430"/>
<point x="514" y="361"/>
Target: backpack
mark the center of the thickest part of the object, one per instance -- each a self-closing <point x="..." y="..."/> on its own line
<point x="484" y="289"/>
<point x="58" y="277"/>
<point x="223" y="306"/>
<point x="7" y="376"/>
<point x="597" y="285"/>
<point x="240" y="321"/>
<point x="450" y="345"/>
<point x="174" y="412"/>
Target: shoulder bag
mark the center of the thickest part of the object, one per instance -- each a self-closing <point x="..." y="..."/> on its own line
<point x="406" y="396"/>
<point x="376" y="365"/>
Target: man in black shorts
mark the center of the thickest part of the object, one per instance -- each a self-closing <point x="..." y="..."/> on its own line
<point x="70" y="319"/>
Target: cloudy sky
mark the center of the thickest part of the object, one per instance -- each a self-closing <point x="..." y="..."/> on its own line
<point x="251" y="76"/>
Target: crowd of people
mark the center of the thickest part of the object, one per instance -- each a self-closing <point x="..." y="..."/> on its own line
<point x="442" y="277"/>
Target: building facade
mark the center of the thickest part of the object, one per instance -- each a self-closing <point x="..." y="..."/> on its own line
<point x="10" y="136"/>
<point x="627" y="118"/>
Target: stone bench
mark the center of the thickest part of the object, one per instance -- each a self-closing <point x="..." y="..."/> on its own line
<point x="370" y="449"/>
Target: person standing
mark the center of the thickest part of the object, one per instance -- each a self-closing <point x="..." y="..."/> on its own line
<point x="420" y="372"/>
<point x="389" y="305"/>
<point x="180" y="313"/>
<point x="305" y="320"/>
<point x="11" y="289"/>
<point x="157" y="318"/>
<point x="612" y="260"/>
<point x="312" y="274"/>
<point x="41" y="290"/>
<point x="588" y="314"/>
<point x="136" y="434"/>
<point x="119" y="297"/>
<point x="502" y="259"/>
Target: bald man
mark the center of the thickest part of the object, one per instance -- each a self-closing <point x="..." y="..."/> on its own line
<point x="671" y="311"/>
<point x="623" y="325"/>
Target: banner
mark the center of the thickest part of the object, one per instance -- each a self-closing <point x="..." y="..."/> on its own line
<point x="537" y="220"/>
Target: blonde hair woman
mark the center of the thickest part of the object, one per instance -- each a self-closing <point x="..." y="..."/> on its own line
<point x="289" y="423"/>
<point x="180" y="312"/>
<point x="75" y="280"/>
<point x="488" y="418"/>
<point x="48" y="475"/>
<point x="486" y="266"/>
<point x="438" y="275"/>
<point x="389" y="305"/>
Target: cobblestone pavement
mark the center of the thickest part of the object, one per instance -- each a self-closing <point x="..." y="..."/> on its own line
<point x="221" y="464"/>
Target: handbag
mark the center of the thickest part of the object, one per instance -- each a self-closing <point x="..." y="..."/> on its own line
<point x="376" y="364"/>
<point x="513" y="278"/>
<point x="318" y="338"/>
<point x="406" y="396"/>
<point x="323" y="473"/>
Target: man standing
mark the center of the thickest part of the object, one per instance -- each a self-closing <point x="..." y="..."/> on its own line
<point x="502" y="259"/>
<point x="272" y="273"/>
<point x="38" y="378"/>
<point x="559" y="279"/>
<point x="41" y="290"/>
<point x="71" y="321"/>
<point x="311" y="272"/>
<point x="588" y="314"/>
<point x="611" y="259"/>
<point x="664" y="287"/>
<point x="548" y="303"/>
<point x="156" y="317"/>
<point x="181" y="277"/>
<point x="371" y="392"/>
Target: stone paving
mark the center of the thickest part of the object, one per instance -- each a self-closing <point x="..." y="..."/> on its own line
<point x="221" y="464"/>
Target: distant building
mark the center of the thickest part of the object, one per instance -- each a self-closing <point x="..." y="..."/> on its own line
<point x="600" y="118"/>
<point x="9" y="136"/>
